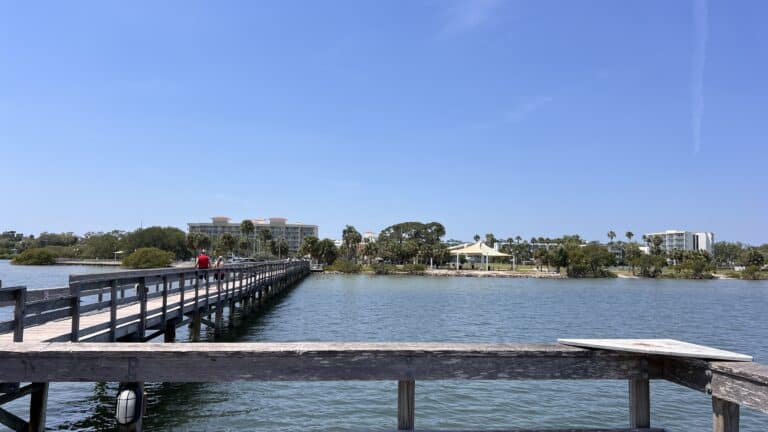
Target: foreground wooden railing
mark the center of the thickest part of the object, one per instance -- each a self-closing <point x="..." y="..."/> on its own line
<point x="730" y="384"/>
<point x="111" y="291"/>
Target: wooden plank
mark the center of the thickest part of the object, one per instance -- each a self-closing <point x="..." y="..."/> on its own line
<point x="214" y="362"/>
<point x="406" y="404"/>
<point x="38" y="404"/>
<point x="639" y="403"/>
<point x="19" y="312"/>
<point x="725" y="416"/>
<point x="743" y="383"/>
<point x="13" y="421"/>
<point x="667" y="347"/>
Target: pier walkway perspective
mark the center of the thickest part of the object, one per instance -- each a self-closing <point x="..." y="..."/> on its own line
<point x="78" y="342"/>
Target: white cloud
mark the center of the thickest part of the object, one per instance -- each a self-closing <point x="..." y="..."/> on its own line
<point x="527" y="108"/>
<point x="466" y="15"/>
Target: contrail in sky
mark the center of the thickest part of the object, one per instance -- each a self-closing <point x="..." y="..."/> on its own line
<point x="697" y="78"/>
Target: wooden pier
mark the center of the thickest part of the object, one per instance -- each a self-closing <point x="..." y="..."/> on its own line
<point x="134" y="306"/>
<point x="731" y="384"/>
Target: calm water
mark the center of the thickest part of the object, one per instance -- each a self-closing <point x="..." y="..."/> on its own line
<point x="725" y="314"/>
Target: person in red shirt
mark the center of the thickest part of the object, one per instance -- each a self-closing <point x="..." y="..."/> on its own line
<point x="203" y="262"/>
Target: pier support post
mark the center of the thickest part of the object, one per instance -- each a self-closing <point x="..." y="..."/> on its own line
<point x="169" y="332"/>
<point x="725" y="416"/>
<point x="38" y="404"/>
<point x="406" y="395"/>
<point x="639" y="403"/>
<point x="195" y="328"/>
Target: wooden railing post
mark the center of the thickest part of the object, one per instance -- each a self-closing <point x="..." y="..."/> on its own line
<point x="639" y="403"/>
<point x="406" y="396"/>
<point x="165" y="301"/>
<point x="725" y="416"/>
<point x="75" y="305"/>
<point x="142" y="293"/>
<point x="113" y="310"/>
<point x="19" y="312"/>
<point x="207" y="288"/>
<point x="181" y="296"/>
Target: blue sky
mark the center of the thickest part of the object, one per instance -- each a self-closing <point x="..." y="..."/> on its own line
<point x="513" y="117"/>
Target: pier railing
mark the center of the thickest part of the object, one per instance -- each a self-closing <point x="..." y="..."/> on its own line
<point x="181" y="291"/>
<point x="730" y="384"/>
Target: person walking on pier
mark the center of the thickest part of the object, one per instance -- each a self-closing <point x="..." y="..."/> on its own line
<point x="218" y="265"/>
<point x="203" y="262"/>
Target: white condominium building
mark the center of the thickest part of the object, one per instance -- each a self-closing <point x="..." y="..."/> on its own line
<point x="685" y="240"/>
<point x="294" y="233"/>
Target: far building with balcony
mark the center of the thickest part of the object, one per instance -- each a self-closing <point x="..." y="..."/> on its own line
<point x="294" y="233"/>
<point x="684" y="240"/>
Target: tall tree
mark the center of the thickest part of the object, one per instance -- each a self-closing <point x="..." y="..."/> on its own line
<point x="227" y="243"/>
<point x="327" y="251"/>
<point x="611" y="235"/>
<point x="265" y="235"/>
<point x="309" y="247"/>
<point x="490" y="239"/>
<point x="246" y="229"/>
<point x="476" y="237"/>
<point x="629" y="235"/>
<point x="350" y="239"/>
<point x="279" y="247"/>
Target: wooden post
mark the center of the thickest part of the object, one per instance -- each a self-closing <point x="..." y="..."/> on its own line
<point x="19" y="312"/>
<point x="219" y="316"/>
<point x="165" y="300"/>
<point x="197" y="292"/>
<point x="725" y="416"/>
<point x="207" y="289"/>
<point x="113" y="310"/>
<point x="406" y="395"/>
<point x="38" y="403"/>
<point x="75" y="304"/>
<point x="141" y="291"/>
<point x="639" y="403"/>
<point x="169" y="331"/>
<point x="195" y="329"/>
<point x="181" y="296"/>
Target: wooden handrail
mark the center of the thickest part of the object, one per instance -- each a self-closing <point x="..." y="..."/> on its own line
<point x="86" y="293"/>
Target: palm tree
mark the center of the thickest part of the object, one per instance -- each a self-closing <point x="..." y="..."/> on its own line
<point x="477" y="237"/>
<point x="247" y="229"/>
<point x="227" y="242"/>
<point x="518" y="239"/>
<point x="279" y="247"/>
<point x="351" y="238"/>
<point x="490" y="239"/>
<point x="611" y="235"/>
<point x="265" y="235"/>
<point x="629" y="235"/>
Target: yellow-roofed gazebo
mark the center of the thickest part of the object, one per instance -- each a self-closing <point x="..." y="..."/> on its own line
<point x="478" y="248"/>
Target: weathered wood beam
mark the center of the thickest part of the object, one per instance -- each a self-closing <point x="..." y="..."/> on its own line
<point x="38" y="404"/>
<point x="12" y="421"/>
<point x="207" y="362"/>
<point x="725" y="416"/>
<point x="406" y="404"/>
<point x="639" y="403"/>
<point x="744" y="383"/>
